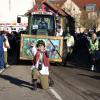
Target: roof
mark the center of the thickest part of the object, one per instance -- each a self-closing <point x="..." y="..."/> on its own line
<point x="55" y="2"/>
<point x="53" y="7"/>
<point x="83" y="3"/>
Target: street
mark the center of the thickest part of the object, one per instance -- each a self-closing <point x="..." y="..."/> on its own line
<point x="64" y="33"/>
<point x="70" y="83"/>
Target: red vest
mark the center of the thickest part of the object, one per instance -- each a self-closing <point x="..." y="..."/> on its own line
<point x="45" y="59"/>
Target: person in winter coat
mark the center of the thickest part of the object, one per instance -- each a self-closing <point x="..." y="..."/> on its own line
<point x="2" y="42"/>
<point x="69" y="47"/>
<point x="94" y="49"/>
<point x="5" y="50"/>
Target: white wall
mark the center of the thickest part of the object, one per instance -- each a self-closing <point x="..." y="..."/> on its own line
<point x="72" y="9"/>
<point x="11" y="8"/>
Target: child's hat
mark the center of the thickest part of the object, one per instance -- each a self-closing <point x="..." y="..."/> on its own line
<point x="40" y="42"/>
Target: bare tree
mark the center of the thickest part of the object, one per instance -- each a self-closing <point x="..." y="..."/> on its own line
<point x="87" y="21"/>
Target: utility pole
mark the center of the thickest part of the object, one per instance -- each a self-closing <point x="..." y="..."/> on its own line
<point x="9" y="6"/>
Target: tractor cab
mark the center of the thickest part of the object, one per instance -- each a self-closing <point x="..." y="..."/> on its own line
<point x="42" y="24"/>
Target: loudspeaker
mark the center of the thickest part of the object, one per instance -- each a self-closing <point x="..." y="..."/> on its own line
<point x="18" y="19"/>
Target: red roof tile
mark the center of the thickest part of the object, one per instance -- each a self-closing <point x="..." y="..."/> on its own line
<point x="55" y="8"/>
<point x="83" y="3"/>
<point x="57" y="2"/>
<point x="51" y="6"/>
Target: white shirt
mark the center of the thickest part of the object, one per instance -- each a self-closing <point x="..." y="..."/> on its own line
<point x="44" y="70"/>
<point x="7" y="43"/>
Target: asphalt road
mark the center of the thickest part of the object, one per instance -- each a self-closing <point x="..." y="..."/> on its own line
<point x="70" y="84"/>
<point x="76" y="84"/>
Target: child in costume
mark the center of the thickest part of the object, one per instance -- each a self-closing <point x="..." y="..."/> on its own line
<point x="40" y="68"/>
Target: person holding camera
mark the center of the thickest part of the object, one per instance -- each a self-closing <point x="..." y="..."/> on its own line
<point x="40" y="68"/>
<point x="3" y="43"/>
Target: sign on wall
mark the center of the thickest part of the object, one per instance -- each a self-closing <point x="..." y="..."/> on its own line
<point x="90" y="7"/>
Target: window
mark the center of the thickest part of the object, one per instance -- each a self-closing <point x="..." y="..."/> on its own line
<point x="42" y="24"/>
